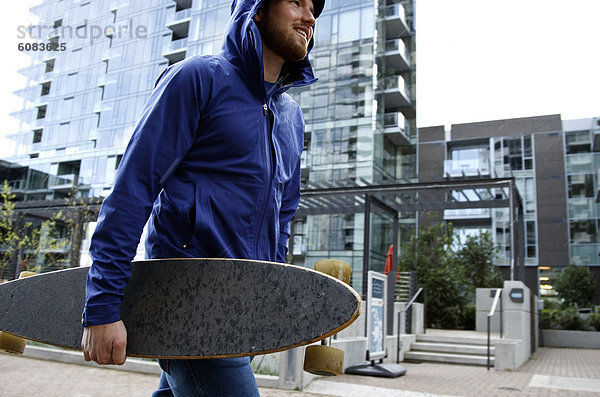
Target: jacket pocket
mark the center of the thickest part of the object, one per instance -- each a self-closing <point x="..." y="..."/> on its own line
<point x="176" y="214"/>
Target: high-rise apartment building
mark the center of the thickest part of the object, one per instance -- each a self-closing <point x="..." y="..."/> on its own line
<point x="85" y="94"/>
<point x="556" y="172"/>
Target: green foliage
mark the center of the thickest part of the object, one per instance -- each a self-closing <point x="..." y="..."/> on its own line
<point x="431" y="256"/>
<point x="10" y="241"/>
<point x="594" y="320"/>
<point x="450" y="273"/>
<point x="26" y="243"/>
<point x="571" y="320"/>
<point x="551" y="319"/>
<point x="558" y="317"/>
<point x="576" y="286"/>
<point x="477" y="258"/>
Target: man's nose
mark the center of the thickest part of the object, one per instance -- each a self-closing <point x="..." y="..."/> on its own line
<point x="307" y="15"/>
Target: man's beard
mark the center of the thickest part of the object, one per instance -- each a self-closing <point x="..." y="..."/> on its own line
<point x="281" y="42"/>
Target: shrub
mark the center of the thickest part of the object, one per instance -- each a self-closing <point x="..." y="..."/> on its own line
<point x="594" y="320"/>
<point x="468" y="316"/>
<point x="571" y="320"/>
<point x="576" y="286"/>
<point x="551" y="319"/>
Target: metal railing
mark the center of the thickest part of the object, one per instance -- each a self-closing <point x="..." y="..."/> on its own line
<point x="406" y="308"/>
<point x="403" y="286"/>
<point x="497" y="297"/>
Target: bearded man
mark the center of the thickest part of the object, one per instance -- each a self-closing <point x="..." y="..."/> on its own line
<point x="213" y="166"/>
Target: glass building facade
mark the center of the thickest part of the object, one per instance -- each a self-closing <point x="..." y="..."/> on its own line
<point x="82" y="101"/>
<point x="583" y="171"/>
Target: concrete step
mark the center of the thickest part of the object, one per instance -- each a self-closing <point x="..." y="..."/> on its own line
<point x="466" y="359"/>
<point x="455" y="339"/>
<point x="453" y="348"/>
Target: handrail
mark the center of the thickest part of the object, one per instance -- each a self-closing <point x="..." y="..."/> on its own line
<point x="497" y="297"/>
<point x="408" y="305"/>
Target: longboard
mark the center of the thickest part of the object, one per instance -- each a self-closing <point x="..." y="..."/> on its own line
<point x="190" y="308"/>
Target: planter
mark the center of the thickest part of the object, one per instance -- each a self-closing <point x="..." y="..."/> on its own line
<point x="573" y="339"/>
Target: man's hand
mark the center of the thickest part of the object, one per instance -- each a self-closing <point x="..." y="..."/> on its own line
<point x="105" y="344"/>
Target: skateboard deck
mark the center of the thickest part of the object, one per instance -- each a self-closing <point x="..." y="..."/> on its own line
<point x="190" y="308"/>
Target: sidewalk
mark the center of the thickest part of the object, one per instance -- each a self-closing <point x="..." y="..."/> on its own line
<point x="551" y="372"/>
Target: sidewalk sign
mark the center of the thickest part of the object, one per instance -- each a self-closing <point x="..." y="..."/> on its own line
<point x="376" y="332"/>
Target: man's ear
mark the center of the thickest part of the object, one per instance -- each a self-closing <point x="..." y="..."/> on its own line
<point x="259" y="15"/>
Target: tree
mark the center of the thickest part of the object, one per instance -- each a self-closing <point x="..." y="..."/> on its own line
<point x="430" y="254"/>
<point x="477" y="259"/>
<point x="10" y="241"/>
<point x="26" y="245"/>
<point x="450" y="272"/>
<point x="576" y="286"/>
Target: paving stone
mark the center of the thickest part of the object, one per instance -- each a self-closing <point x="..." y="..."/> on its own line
<point x="551" y="372"/>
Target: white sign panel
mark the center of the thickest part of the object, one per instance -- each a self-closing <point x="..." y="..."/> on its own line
<point x="376" y="315"/>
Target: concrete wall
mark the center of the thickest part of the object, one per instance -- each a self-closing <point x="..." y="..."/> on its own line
<point x="514" y="349"/>
<point x="484" y="300"/>
<point x="571" y="339"/>
<point x="507" y="127"/>
<point x="551" y="197"/>
<point x="517" y="320"/>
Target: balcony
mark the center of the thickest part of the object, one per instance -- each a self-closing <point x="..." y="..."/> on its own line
<point x="470" y="213"/>
<point x="183" y="4"/>
<point x="17" y="185"/>
<point x="394" y="127"/>
<point x="396" y="55"/>
<point x="62" y="182"/>
<point x="394" y="18"/>
<point x="463" y="168"/>
<point x="175" y="50"/>
<point x="179" y="17"/>
<point x="41" y="101"/>
<point x="106" y="54"/>
<point x="394" y="89"/>
<point x="104" y="79"/>
<point x="180" y="27"/>
<point x="115" y="4"/>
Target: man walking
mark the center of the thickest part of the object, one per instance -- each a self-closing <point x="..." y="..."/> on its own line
<point x="214" y="167"/>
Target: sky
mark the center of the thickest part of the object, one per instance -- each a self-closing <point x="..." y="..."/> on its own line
<point x="477" y="60"/>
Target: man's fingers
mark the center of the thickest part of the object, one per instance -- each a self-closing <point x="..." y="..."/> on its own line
<point x="119" y="353"/>
<point x="105" y="344"/>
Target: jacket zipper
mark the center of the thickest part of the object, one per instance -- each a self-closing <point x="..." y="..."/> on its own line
<point x="269" y="155"/>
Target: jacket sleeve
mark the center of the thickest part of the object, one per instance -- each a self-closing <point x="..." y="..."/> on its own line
<point x="163" y="135"/>
<point x="289" y="205"/>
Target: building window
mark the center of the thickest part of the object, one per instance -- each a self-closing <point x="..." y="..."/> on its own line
<point x="583" y="232"/>
<point x="49" y="65"/>
<point x="578" y="142"/>
<point x="530" y="239"/>
<point x="471" y="160"/>
<point x="581" y="185"/>
<point x="37" y="135"/>
<point x="45" y="88"/>
<point x="516" y="154"/>
<point x="41" y="113"/>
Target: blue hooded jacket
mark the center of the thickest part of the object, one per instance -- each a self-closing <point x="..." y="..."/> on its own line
<point x="214" y="163"/>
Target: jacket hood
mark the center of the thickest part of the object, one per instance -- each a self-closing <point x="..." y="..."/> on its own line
<point x="242" y="45"/>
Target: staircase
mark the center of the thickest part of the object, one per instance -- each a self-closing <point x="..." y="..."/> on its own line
<point x="456" y="347"/>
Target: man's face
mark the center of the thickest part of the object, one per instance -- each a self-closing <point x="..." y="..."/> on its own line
<point x="286" y="28"/>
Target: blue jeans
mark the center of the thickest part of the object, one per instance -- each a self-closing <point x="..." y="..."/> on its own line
<point x="227" y="377"/>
